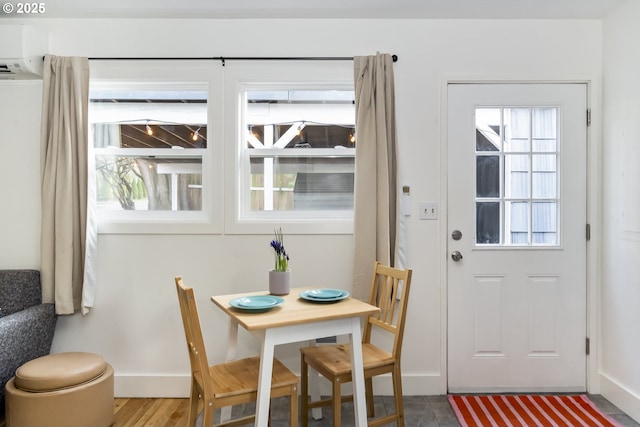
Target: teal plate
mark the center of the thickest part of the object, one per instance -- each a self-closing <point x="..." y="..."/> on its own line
<point x="257" y="302"/>
<point x="309" y="296"/>
<point x="325" y="293"/>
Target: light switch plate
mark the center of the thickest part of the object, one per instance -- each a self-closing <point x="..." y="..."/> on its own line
<point x="428" y="210"/>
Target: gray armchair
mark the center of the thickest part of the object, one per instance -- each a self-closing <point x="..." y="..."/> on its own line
<point x="26" y="325"/>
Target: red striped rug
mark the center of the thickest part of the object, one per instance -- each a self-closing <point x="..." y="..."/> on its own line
<point x="528" y="411"/>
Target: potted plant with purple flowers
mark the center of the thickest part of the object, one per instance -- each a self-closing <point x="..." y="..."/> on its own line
<point x="280" y="275"/>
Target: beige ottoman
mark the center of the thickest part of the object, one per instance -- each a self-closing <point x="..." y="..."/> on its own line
<point x="61" y="390"/>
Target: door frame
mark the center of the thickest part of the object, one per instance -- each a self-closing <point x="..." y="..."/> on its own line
<point x="594" y="209"/>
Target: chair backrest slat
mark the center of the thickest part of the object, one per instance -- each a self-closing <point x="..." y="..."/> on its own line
<point x="389" y="292"/>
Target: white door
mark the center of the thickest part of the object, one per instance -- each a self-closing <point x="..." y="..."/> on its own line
<point x="516" y="237"/>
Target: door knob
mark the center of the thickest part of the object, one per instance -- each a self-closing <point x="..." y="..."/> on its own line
<point x="456" y="256"/>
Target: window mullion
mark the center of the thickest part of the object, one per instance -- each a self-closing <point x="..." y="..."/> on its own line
<point x="268" y="170"/>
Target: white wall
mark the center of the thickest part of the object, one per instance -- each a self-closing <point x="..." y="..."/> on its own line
<point x="136" y="323"/>
<point x="19" y="174"/>
<point x="620" y="294"/>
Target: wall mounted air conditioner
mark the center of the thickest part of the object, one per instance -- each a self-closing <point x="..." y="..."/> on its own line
<point x="22" y="48"/>
<point x="19" y="69"/>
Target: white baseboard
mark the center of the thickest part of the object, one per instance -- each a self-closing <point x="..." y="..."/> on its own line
<point x="412" y="385"/>
<point x="152" y="385"/>
<point x="178" y="385"/>
<point x="624" y="398"/>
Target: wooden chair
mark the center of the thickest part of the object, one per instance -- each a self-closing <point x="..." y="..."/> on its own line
<point x="390" y="292"/>
<point x="229" y="383"/>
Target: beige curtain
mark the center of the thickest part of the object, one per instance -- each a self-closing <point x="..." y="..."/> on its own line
<point x="375" y="176"/>
<point x="63" y="167"/>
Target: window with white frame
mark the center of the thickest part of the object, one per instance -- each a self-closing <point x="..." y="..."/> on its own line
<point x="300" y="145"/>
<point x="152" y="149"/>
<point x="148" y="146"/>
<point x="167" y="136"/>
<point x="295" y="147"/>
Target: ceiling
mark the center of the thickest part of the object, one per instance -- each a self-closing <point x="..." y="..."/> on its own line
<point x="326" y="9"/>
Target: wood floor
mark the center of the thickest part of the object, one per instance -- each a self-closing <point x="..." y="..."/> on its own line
<point x="150" y="412"/>
<point x="146" y="413"/>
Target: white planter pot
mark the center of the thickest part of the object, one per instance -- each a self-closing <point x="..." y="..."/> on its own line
<point x="279" y="282"/>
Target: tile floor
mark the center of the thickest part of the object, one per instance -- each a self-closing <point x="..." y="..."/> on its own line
<point x="422" y="411"/>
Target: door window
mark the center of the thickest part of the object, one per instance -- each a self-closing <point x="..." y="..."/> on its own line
<point x="516" y="176"/>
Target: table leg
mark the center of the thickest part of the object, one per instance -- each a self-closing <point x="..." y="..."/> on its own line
<point x="232" y="354"/>
<point x="232" y="346"/>
<point x="264" y="382"/>
<point x="314" y="387"/>
<point x="357" y="374"/>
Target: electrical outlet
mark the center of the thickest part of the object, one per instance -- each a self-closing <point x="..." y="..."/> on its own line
<point x="428" y="210"/>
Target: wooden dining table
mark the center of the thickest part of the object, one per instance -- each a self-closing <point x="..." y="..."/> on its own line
<point x="297" y="320"/>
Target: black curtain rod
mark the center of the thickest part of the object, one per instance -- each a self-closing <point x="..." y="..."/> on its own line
<point x="236" y="58"/>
